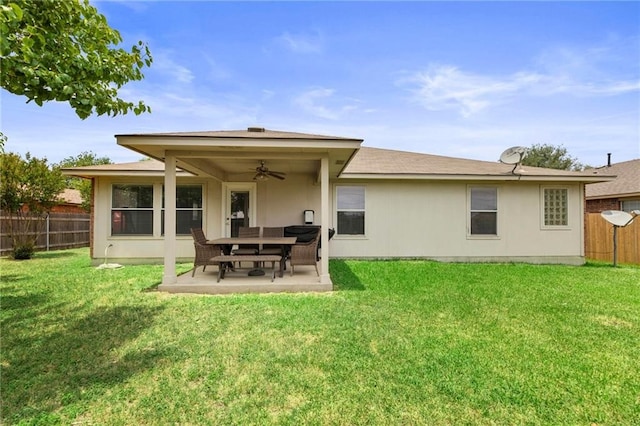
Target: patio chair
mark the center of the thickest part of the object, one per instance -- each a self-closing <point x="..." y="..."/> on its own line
<point x="247" y="249"/>
<point x="272" y="249"/>
<point x="305" y="254"/>
<point x="204" y="251"/>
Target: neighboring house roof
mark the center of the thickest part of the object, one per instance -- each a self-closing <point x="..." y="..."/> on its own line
<point x="626" y="184"/>
<point x="386" y="163"/>
<point x="71" y="196"/>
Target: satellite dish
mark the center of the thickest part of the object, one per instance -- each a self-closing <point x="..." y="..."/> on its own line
<point x="513" y="155"/>
<point x="617" y="217"/>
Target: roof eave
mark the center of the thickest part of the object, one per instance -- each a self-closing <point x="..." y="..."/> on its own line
<point x="88" y="174"/>
<point x="608" y="196"/>
<point x="487" y="177"/>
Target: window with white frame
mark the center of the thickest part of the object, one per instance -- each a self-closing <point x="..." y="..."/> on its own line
<point x="555" y="207"/>
<point x="188" y="208"/>
<point x="132" y="210"/>
<point x="350" y="210"/>
<point x="483" y="212"/>
<point x="630" y="205"/>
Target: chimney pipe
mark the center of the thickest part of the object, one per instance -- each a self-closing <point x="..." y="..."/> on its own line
<point x="608" y="159"/>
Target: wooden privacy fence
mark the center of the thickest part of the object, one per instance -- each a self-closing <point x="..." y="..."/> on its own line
<point x="60" y="231"/>
<point x="599" y="240"/>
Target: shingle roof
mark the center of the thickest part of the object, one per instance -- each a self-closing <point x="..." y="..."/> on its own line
<point x="627" y="182"/>
<point x="376" y="161"/>
<point x="71" y="196"/>
<point x="250" y="133"/>
<point x="386" y="163"/>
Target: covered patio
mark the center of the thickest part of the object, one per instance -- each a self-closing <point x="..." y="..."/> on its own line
<point x="226" y="160"/>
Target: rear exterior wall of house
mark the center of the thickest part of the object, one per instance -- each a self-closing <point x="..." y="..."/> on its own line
<point x="379" y="219"/>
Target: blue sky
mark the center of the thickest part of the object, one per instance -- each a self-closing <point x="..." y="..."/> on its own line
<point x="461" y="79"/>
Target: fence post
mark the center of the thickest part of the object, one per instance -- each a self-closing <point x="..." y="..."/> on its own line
<point x="48" y="229"/>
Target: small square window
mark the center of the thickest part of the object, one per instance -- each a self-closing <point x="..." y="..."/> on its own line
<point x="555" y="207"/>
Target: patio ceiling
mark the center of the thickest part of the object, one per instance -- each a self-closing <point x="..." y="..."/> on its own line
<point x="229" y="155"/>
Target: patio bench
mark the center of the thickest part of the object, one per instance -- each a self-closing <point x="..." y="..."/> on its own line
<point x="226" y="259"/>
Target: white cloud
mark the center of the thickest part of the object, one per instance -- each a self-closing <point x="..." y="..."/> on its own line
<point x="215" y="71"/>
<point x="447" y="87"/>
<point x="171" y="69"/>
<point x="308" y="101"/>
<point x="322" y="103"/>
<point x="584" y="72"/>
<point x="267" y="94"/>
<point x="301" y="43"/>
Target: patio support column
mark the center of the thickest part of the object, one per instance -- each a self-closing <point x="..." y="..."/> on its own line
<point x="170" y="276"/>
<point x="325" y="278"/>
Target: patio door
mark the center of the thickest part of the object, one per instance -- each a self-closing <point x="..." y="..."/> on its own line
<point x="239" y="207"/>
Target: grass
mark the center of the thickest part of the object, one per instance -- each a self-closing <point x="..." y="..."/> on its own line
<point x="399" y="342"/>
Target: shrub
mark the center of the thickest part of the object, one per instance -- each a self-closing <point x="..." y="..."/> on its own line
<point x="23" y="252"/>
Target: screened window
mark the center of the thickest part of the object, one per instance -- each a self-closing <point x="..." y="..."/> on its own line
<point x="555" y="207"/>
<point x="188" y="208"/>
<point x="350" y="210"/>
<point x="631" y="205"/>
<point x="132" y="210"/>
<point x="484" y="211"/>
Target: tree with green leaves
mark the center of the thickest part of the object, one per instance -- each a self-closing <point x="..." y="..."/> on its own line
<point x="53" y="50"/>
<point x="86" y="158"/>
<point x="551" y="157"/>
<point x="29" y="188"/>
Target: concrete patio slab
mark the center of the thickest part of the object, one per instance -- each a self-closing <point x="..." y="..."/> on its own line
<point x="304" y="280"/>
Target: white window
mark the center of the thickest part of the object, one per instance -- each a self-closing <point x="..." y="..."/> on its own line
<point x="134" y="207"/>
<point x="132" y="210"/>
<point x="483" y="211"/>
<point x="350" y="208"/>
<point x="555" y="207"/>
<point x="630" y="205"/>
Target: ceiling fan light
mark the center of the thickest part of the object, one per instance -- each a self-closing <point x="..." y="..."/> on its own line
<point x="262" y="176"/>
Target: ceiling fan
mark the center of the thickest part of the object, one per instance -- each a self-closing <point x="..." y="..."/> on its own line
<point x="263" y="173"/>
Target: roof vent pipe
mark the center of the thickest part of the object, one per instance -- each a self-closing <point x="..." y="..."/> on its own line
<point x="608" y="159"/>
<point x="256" y="129"/>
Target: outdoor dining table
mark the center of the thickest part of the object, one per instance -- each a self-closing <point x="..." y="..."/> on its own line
<point x="226" y="244"/>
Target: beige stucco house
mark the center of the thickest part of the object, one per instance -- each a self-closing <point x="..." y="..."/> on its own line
<point x="382" y="203"/>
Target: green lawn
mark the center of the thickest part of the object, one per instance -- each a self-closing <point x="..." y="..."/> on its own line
<point x="398" y="343"/>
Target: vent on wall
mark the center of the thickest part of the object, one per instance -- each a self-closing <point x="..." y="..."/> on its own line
<point x="339" y="162"/>
<point x="256" y="129"/>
